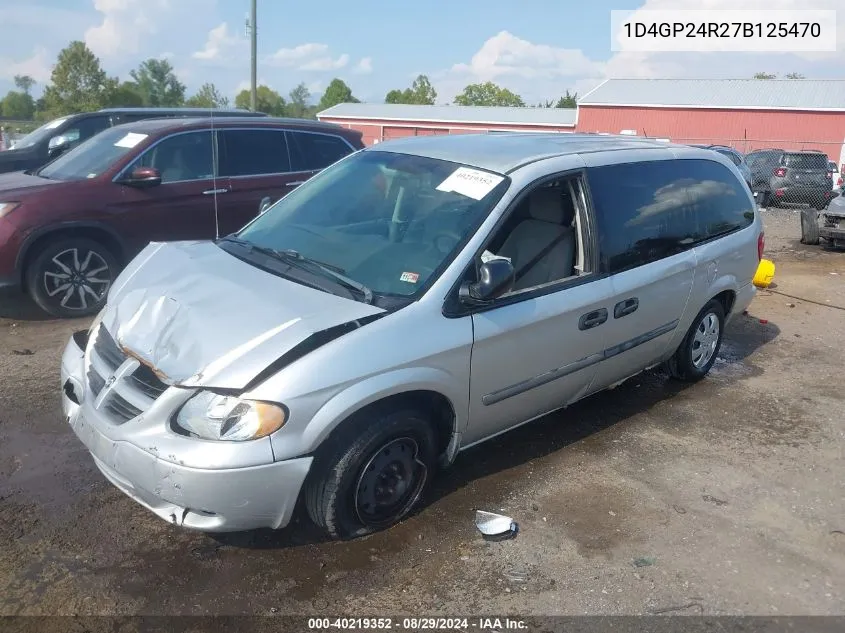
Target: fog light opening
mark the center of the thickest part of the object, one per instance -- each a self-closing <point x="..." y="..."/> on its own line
<point x="70" y="392"/>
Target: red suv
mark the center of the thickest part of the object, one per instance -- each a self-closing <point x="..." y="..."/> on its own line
<point x="68" y="228"/>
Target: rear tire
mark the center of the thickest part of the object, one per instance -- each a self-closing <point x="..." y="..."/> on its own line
<point x="372" y="474"/>
<point x="809" y="227"/>
<point x="71" y="276"/>
<point x="697" y="352"/>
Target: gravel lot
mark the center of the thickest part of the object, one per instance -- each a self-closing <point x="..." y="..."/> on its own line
<point x="725" y="497"/>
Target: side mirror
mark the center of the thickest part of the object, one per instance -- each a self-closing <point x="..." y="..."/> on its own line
<point x="265" y="204"/>
<point x="57" y="145"/>
<point x="495" y="278"/>
<point x="143" y="177"/>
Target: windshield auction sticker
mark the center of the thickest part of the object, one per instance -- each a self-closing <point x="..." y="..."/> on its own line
<point x="130" y="140"/>
<point x="471" y="183"/>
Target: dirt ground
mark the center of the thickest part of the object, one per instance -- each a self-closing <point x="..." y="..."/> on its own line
<point x="725" y="497"/>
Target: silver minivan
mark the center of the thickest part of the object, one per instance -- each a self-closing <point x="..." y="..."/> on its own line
<point x="412" y="300"/>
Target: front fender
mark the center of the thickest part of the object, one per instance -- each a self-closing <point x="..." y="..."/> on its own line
<point x="357" y="396"/>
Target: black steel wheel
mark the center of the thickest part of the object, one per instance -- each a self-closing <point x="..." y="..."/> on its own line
<point x="371" y="474"/>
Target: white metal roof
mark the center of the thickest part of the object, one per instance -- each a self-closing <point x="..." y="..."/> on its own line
<point x="750" y="94"/>
<point x="477" y="115"/>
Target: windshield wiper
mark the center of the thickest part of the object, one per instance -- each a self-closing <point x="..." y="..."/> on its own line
<point x="295" y="258"/>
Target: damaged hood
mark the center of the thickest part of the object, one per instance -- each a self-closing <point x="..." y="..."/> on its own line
<point x="836" y="207"/>
<point x="200" y="317"/>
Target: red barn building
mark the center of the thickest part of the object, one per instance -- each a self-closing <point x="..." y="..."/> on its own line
<point x="748" y="114"/>
<point x="385" y="121"/>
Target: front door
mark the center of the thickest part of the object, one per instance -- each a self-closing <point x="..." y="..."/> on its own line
<point x="182" y="206"/>
<point x="538" y="349"/>
<point x="535" y="356"/>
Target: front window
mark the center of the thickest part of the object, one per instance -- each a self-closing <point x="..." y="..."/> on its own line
<point x="40" y="134"/>
<point x="391" y="222"/>
<point x="93" y="157"/>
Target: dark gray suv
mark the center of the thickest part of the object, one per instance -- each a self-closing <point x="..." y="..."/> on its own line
<point x="801" y="177"/>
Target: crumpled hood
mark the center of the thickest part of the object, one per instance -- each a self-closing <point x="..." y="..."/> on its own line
<point x="16" y="183"/>
<point x="836" y="206"/>
<point x="200" y="317"/>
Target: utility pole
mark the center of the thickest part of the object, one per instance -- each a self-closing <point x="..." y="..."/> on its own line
<point x="253" y="98"/>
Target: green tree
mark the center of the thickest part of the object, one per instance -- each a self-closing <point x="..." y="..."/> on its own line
<point x="488" y="94"/>
<point x="123" y="95"/>
<point x="157" y="84"/>
<point x="78" y="83"/>
<point x="208" y="97"/>
<point x="337" y="92"/>
<point x="24" y="83"/>
<point x="298" y="101"/>
<point x="765" y="76"/>
<point x="421" y="92"/>
<point x="17" y="105"/>
<point x="567" y="101"/>
<point x="267" y="100"/>
<point x="795" y="76"/>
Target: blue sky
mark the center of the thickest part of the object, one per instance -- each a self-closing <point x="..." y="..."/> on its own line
<point x="538" y="48"/>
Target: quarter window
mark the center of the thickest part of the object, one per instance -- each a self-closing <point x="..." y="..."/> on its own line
<point x="650" y="210"/>
<point x="182" y="157"/>
<point x="254" y="152"/>
<point x="310" y="152"/>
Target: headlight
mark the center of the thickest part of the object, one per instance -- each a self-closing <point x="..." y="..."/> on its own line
<point x="8" y="207"/>
<point x="213" y="416"/>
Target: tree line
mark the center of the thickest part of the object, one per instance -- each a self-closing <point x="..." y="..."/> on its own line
<point x="80" y="84"/>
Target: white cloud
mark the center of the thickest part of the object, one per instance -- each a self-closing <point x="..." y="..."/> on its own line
<point x="307" y="57"/>
<point x="364" y="67"/>
<point x="38" y="66"/>
<point x="220" y="44"/>
<point x="525" y="67"/>
<point x="125" y="25"/>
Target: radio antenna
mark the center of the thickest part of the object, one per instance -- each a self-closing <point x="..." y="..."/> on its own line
<point x="214" y="162"/>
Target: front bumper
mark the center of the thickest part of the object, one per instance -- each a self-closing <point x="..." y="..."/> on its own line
<point x="211" y="500"/>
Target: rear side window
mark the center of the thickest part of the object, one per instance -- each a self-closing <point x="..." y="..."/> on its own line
<point x="650" y="210"/>
<point x="316" y="151"/>
<point x="805" y="161"/>
<point x="254" y="152"/>
<point x="734" y="157"/>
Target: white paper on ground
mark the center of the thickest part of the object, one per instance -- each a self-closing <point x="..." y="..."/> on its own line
<point x="471" y="183"/>
<point x="130" y="140"/>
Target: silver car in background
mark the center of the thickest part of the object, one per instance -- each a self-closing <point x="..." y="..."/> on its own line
<point x="415" y="299"/>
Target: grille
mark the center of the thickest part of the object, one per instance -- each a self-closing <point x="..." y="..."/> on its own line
<point x="134" y="394"/>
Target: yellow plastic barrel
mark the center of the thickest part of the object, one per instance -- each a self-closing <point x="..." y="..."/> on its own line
<point x="765" y="273"/>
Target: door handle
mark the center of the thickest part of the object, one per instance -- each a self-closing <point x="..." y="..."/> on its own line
<point x="626" y="307"/>
<point x="592" y="319"/>
<point x="295" y="184"/>
<point x="212" y="192"/>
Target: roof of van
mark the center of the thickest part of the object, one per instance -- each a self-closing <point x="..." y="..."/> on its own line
<point x="503" y="153"/>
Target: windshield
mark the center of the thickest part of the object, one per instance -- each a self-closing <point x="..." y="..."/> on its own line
<point x="93" y="157"/>
<point x="391" y="222"/>
<point x="805" y="161"/>
<point x="39" y="134"/>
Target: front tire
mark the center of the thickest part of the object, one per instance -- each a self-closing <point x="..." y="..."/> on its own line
<point x="697" y="352"/>
<point x="372" y="474"/>
<point x="70" y="277"/>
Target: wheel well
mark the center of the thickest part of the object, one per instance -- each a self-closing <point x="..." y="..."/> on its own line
<point x="726" y="298"/>
<point x="89" y="232"/>
<point x="435" y="404"/>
